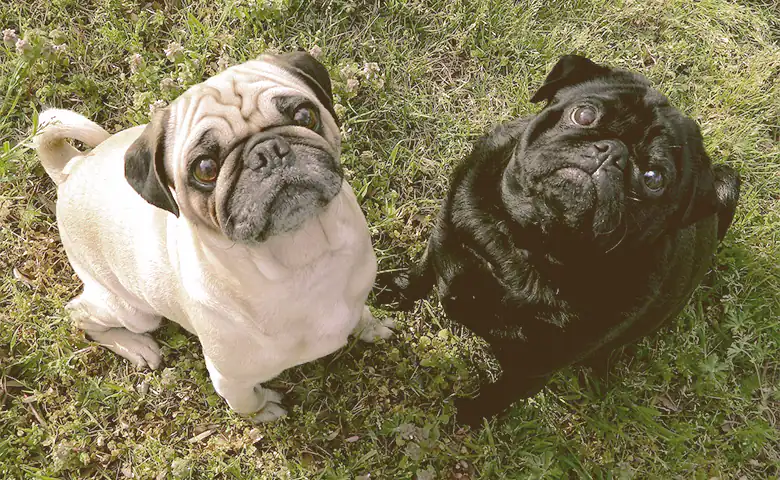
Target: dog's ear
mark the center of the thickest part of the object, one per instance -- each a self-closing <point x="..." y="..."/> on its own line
<point x="570" y="70"/>
<point x="145" y="165"/>
<point x="702" y="197"/>
<point x="701" y="191"/>
<point x="313" y="73"/>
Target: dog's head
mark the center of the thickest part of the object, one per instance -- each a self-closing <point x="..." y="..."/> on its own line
<point x="608" y="161"/>
<point x="252" y="152"/>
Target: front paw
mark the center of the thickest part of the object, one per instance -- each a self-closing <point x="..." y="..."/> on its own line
<point x="272" y="406"/>
<point x="469" y="412"/>
<point x="390" y="288"/>
<point x="371" y="329"/>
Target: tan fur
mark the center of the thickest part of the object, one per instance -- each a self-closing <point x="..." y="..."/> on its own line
<point x="257" y="309"/>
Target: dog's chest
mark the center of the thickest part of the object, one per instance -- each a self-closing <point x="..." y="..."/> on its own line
<point x="295" y="299"/>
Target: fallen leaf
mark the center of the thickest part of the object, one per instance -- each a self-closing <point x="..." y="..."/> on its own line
<point x="201" y="436"/>
<point x="22" y="277"/>
<point x="668" y="403"/>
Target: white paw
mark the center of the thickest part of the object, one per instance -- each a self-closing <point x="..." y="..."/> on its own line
<point x="77" y="313"/>
<point x="272" y="410"/>
<point x="139" y="348"/>
<point x="374" y="329"/>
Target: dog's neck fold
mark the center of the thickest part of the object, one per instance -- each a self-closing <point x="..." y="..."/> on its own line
<point x="282" y="255"/>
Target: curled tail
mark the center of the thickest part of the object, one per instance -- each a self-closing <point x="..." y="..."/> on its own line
<point x="55" y="128"/>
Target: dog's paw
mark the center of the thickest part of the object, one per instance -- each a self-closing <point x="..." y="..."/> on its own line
<point x="139" y="348"/>
<point x="468" y="412"/>
<point x="390" y="287"/>
<point x="272" y="409"/>
<point x="371" y="329"/>
<point x="379" y="330"/>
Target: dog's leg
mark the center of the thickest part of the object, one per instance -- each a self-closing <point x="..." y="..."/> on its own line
<point x="369" y="329"/>
<point x="497" y="397"/>
<point x="247" y="397"/>
<point x="113" y="323"/>
<point x="407" y="287"/>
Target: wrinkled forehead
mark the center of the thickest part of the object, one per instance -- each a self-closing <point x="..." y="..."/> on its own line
<point x="619" y="100"/>
<point x="237" y="103"/>
<point x="613" y="94"/>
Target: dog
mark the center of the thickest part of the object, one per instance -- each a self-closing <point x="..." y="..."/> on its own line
<point x="573" y="232"/>
<point x="227" y="214"/>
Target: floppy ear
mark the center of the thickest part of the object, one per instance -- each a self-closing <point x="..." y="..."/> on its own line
<point x="701" y="193"/>
<point x="145" y="165"/>
<point x="313" y="73"/>
<point x="570" y="70"/>
<point x="703" y="199"/>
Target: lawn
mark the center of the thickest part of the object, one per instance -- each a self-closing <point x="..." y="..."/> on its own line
<point x="416" y="82"/>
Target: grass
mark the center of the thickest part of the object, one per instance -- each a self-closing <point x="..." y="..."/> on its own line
<point x="701" y="399"/>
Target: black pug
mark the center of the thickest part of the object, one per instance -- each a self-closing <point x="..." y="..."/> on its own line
<point x="575" y="231"/>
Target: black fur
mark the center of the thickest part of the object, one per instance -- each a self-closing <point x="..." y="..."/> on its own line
<point x="312" y="72"/>
<point x="145" y="165"/>
<point x="556" y="260"/>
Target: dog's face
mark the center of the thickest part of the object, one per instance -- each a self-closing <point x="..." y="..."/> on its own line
<point x="252" y="152"/>
<point x="608" y="161"/>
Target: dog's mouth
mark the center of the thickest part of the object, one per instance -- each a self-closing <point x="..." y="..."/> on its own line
<point x="587" y="200"/>
<point x="292" y="205"/>
<point x="278" y="195"/>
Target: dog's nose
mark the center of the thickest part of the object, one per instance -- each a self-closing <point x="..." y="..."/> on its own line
<point x="609" y="151"/>
<point x="272" y="152"/>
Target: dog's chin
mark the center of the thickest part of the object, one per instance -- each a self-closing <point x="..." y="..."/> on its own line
<point x="291" y="207"/>
<point x="587" y="205"/>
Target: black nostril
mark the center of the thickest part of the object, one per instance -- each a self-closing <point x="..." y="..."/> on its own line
<point x="607" y="151"/>
<point x="281" y="148"/>
<point x="268" y="152"/>
<point x="259" y="161"/>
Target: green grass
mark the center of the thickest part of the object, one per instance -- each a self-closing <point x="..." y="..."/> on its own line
<point x="701" y="399"/>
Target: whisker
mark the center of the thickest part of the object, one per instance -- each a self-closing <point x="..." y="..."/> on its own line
<point x="625" y="232"/>
<point x="620" y="219"/>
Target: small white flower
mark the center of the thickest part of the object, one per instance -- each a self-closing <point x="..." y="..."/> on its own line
<point x="370" y="69"/>
<point x="174" y="50"/>
<point x="23" y="46"/>
<point x="9" y="37"/>
<point x="352" y="85"/>
<point x="316" y="52"/>
<point x="59" y="48"/>
<point x="135" y="61"/>
<point x="339" y="109"/>
<point x="168" y="84"/>
<point x="348" y="71"/>
<point x="223" y="62"/>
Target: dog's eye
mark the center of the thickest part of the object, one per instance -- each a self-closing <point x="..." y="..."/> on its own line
<point x="205" y="170"/>
<point x="653" y="180"/>
<point x="307" y="117"/>
<point x="584" y="115"/>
